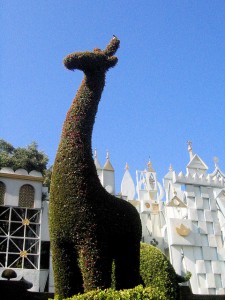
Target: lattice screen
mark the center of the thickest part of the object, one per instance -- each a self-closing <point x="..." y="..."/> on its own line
<point x="20" y="237"/>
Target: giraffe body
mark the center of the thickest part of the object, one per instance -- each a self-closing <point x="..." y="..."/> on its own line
<point x="89" y="228"/>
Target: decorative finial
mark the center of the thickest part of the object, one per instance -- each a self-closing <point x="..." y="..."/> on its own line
<point x="175" y="192"/>
<point x="107" y="154"/>
<point x="171" y="168"/>
<point x="216" y="160"/>
<point x="149" y="164"/>
<point x="126" y="166"/>
<point x="95" y="153"/>
<point x="190" y="149"/>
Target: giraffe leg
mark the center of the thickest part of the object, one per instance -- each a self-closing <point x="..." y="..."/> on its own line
<point x="127" y="264"/>
<point x="68" y="278"/>
<point x="96" y="269"/>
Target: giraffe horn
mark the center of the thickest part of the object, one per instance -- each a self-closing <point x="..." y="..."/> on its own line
<point x="112" y="47"/>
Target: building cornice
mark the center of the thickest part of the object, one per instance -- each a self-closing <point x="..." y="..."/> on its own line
<point x="22" y="177"/>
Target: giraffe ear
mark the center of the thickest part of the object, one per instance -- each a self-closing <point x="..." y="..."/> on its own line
<point x="111" y="61"/>
<point x="112" y="46"/>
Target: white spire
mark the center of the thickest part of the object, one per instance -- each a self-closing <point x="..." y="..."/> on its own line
<point x="127" y="185"/>
<point x="97" y="164"/>
<point x="108" y="166"/>
<point x="216" y="160"/>
<point x="190" y="149"/>
<point x="150" y="168"/>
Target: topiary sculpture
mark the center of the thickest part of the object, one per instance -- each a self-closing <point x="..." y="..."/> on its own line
<point x="9" y="274"/>
<point x="157" y="271"/>
<point x="88" y="226"/>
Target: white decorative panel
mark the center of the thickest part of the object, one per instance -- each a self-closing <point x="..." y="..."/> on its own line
<point x="199" y="203"/>
<point x="145" y="206"/>
<point x="202" y="227"/>
<point x="213" y="252"/>
<point x="180" y="232"/>
<point x="221" y="254"/>
<point x="210" y="280"/>
<point x="220" y="291"/>
<point x="201" y="216"/>
<point x="202" y="280"/>
<point x="190" y="192"/>
<point x="204" y="240"/>
<point x="208" y="215"/>
<point x="197" y="253"/>
<point x="222" y="265"/>
<point x="200" y="267"/>
<point x="203" y="291"/>
<point x="191" y="202"/>
<point x="219" y="243"/>
<point x="210" y="229"/>
<point x="198" y="240"/>
<point x="206" y="203"/>
<point x="205" y="195"/>
<point x="206" y="253"/>
<point x="212" y="291"/>
<point x="214" y="216"/>
<point x="212" y="240"/>
<point x="190" y="263"/>
<point x="208" y="266"/>
<point x="176" y="258"/>
<point x="213" y="204"/>
<point x="216" y="267"/>
<point x="192" y="214"/>
<point x="218" y="280"/>
<point x="223" y="280"/>
<point x="217" y="228"/>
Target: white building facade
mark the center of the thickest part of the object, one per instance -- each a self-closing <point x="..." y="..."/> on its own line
<point x="24" y="236"/>
<point x="184" y="217"/>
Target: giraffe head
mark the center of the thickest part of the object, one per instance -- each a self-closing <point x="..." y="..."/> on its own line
<point x="96" y="60"/>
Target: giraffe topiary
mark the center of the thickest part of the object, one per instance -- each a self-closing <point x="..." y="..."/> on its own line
<point x="89" y="228"/>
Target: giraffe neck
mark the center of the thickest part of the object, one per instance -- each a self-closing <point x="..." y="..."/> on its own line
<point x="75" y="151"/>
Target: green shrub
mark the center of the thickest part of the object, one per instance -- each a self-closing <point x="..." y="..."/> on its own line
<point x="157" y="271"/>
<point x="137" y="293"/>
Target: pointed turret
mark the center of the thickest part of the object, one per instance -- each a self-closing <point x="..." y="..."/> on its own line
<point x="196" y="164"/>
<point x="190" y="149"/>
<point x="147" y="188"/>
<point x="127" y="185"/>
<point x="98" y="166"/>
<point x="108" y="166"/>
<point x="96" y="161"/>
<point x="217" y="173"/>
<point x="108" y="176"/>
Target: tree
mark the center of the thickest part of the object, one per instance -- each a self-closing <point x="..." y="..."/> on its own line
<point x="28" y="158"/>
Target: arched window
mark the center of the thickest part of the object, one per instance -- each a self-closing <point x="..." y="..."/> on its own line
<point x="26" y="196"/>
<point x="2" y="192"/>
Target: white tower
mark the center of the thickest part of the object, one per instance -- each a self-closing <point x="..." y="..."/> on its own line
<point x="150" y="194"/>
<point x="108" y="176"/>
<point x="194" y="232"/>
<point x="127" y="185"/>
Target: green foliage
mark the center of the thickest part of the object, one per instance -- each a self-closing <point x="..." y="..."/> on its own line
<point x="137" y="293"/>
<point x="29" y="158"/>
<point x="157" y="271"/>
<point x="95" y="60"/>
<point x="87" y="224"/>
<point x="47" y="177"/>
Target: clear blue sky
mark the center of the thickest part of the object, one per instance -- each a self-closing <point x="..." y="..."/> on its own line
<point x="168" y="86"/>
